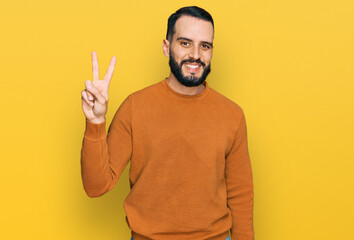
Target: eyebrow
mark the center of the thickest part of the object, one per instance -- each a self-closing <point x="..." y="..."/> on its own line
<point x="187" y="39"/>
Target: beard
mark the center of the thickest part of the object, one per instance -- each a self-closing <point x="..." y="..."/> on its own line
<point x="188" y="81"/>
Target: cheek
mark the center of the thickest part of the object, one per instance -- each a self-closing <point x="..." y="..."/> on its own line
<point x="178" y="51"/>
<point x="207" y="58"/>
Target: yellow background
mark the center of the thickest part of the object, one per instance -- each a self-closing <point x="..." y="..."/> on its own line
<point x="288" y="64"/>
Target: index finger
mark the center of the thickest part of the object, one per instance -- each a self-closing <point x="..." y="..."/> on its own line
<point x="110" y="70"/>
<point x="95" y="70"/>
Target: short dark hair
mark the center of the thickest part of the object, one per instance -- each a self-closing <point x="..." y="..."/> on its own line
<point x="192" y="11"/>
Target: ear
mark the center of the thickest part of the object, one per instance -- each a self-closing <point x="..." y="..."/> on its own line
<point x="166" y="47"/>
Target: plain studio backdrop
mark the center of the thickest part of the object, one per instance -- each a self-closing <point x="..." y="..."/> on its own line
<point x="288" y="64"/>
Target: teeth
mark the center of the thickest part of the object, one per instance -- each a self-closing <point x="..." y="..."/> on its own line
<point x="192" y="66"/>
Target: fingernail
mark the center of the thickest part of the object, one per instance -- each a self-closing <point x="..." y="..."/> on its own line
<point x="90" y="97"/>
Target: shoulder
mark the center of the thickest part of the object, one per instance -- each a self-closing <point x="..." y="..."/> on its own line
<point x="146" y="93"/>
<point x="232" y="113"/>
<point x="150" y="89"/>
<point x="143" y="93"/>
<point x="146" y="97"/>
<point x="225" y="103"/>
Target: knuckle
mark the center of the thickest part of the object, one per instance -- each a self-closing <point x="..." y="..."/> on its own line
<point x="90" y="90"/>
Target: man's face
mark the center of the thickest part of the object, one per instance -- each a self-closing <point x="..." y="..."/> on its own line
<point x="190" y="50"/>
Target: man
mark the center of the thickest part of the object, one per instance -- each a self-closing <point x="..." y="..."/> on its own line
<point x="190" y="173"/>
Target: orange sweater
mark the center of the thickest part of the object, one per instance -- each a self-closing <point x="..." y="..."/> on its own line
<point x="190" y="172"/>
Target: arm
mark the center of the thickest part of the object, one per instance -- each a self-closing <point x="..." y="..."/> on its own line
<point x="105" y="156"/>
<point x="240" y="185"/>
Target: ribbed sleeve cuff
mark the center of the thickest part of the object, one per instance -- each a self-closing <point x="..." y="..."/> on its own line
<point x="95" y="131"/>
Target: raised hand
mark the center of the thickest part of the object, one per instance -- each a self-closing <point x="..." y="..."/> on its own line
<point x="95" y="96"/>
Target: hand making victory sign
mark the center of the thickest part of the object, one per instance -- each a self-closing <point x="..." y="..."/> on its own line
<point x="95" y="96"/>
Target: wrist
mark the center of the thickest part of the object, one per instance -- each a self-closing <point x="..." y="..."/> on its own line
<point x="97" y="120"/>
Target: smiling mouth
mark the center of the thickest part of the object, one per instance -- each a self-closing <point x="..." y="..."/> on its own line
<point x="193" y="68"/>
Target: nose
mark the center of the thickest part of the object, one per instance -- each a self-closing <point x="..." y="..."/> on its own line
<point x="194" y="53"/>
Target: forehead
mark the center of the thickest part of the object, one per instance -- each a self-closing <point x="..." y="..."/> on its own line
<point x="194" y="28"/>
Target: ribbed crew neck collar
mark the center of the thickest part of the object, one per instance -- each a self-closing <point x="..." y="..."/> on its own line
<point x="175" y="94"/>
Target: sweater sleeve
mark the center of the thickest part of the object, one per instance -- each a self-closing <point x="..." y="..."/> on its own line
<point x="104" y="156"/>
<point x="240" y="185"/>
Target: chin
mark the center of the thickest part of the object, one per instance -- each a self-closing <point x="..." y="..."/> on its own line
<point x="193" y="75"/>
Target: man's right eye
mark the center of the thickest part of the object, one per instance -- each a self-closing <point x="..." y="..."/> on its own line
<point x="184" y="43"/>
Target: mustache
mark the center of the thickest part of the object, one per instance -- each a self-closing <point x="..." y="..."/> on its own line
<point x="192" y="61"/>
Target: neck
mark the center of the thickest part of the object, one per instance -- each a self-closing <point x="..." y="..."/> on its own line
<point x="178" y="87"/>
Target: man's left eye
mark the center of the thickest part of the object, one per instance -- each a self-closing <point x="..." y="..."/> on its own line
<point x="205" y="46"/>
